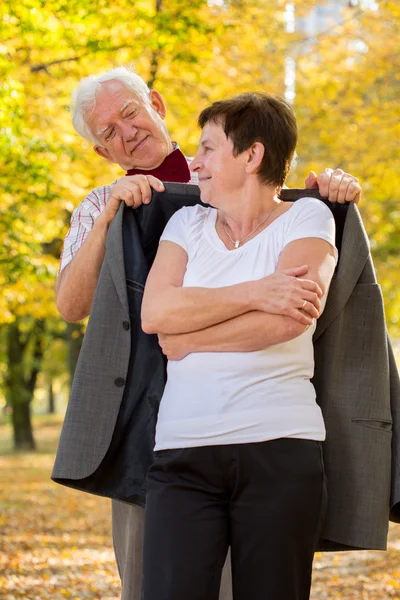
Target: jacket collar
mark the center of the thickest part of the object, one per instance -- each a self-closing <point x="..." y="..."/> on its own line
<point x="115" y="256"/>
<point x="354" y="254"/>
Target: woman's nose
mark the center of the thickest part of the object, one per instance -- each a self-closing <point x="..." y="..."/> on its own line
<point x="195" y="164"/>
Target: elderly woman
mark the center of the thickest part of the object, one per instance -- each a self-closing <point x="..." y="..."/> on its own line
<point x="238" y="455"/>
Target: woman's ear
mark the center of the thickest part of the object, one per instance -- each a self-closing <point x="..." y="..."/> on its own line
<point x="255" y="156"/>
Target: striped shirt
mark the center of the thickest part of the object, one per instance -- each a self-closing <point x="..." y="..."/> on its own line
<point x="84" y="216"/>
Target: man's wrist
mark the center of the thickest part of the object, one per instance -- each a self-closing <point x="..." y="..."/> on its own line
<point x="102" y="223"/>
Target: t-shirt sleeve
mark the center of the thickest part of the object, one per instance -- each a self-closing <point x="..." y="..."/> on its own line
<point x="177" y="228"/>
<point x="311" y="219"/>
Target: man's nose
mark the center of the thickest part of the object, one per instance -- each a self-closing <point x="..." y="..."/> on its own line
<point x="129" y="131"/>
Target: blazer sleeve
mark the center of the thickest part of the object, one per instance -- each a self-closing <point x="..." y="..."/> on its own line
<point x="395" y="408"/>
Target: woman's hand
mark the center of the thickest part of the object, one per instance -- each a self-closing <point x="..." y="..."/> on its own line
<point x="286" y="293"/>
<point x="174" y="346"/>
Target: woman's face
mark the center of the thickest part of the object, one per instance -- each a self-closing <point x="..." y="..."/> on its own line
<point x="221" y="174"/>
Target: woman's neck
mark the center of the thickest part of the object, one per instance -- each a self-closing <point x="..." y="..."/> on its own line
<point x="248" y="211"/>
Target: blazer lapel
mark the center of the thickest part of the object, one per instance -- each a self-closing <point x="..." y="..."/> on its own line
<point x="354" y="254"/>
<point x="115" y="256"/>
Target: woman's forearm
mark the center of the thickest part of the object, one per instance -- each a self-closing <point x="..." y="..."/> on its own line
<point x="175" y="309"/>
<point x="253" y="331"/>
<point x="250" y="332"/>
<point x="184" y="309"/>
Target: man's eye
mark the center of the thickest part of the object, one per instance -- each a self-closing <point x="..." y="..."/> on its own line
<point x="110" y="134"/>
<point x="131" y="114"/>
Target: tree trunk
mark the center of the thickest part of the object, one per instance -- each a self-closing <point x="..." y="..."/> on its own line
<point x="156" y="54"/>
<point x="51" y="404"/>
<point x="21" y="378"/>
<point x="22" y="426"/>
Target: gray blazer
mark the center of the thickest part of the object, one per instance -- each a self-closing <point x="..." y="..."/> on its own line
<point x="358" y="389"/>
<point x="356" y="381"/>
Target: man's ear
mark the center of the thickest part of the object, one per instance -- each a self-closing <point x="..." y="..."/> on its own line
<point x="157" y="103"/>
<point x="104" y="153"/>
<point x="255" y="156"/>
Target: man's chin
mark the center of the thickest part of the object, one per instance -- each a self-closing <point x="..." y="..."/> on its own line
<point x="146" y="165"/>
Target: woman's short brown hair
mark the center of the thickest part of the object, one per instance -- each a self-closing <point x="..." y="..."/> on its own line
<point x="257" y="117"/>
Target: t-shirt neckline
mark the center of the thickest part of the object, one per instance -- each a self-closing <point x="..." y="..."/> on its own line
<point x="210" y="229"/>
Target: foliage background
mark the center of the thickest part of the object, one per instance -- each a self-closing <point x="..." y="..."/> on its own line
<point x="346" y="91"/>
<point x="346" y="99"/>
<point x="347" y="88"/>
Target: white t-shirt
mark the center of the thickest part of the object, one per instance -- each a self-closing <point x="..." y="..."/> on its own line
<point x="214" y="398"/>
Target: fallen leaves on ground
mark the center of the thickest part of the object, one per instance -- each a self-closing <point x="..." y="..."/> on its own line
<point x="56" y="542"/>
<point x="366" y="575"/>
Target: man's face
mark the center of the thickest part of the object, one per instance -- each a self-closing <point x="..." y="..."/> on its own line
<point x="131" y="133"/>
<point x="220" y="172"/>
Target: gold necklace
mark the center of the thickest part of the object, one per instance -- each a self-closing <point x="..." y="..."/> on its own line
<point x="236" y="243"/>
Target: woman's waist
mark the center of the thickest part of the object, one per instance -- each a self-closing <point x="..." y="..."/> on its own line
<point x="302" y="421"/>
<point x="190" y="397"/>
<point x="254" y="367"/>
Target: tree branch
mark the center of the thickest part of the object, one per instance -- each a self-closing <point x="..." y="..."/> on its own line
<point x="45" y="66"/>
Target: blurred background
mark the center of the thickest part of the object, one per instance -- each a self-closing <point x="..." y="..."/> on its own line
<point x="337" y="62"/>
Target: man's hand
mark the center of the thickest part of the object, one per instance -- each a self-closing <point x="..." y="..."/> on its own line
<point x="134" y="190"/>
<point x="336" y="185"/>
<point x="285" y="293"/>
<point x="174" y="346"/>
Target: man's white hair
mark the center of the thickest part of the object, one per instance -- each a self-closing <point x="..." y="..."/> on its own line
<point x="84" y="97"/>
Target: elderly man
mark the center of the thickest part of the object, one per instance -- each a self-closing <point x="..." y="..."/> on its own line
<point x="125" y="121"/>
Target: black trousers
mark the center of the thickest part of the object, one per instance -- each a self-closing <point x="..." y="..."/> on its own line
<point x="266" y="500"/>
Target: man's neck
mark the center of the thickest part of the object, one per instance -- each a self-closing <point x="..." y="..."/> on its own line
<point x="173" y="168"/>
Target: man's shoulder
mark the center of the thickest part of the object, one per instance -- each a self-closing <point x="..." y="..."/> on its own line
<point x="101" y="192"/>
<point x="95" y="200"/>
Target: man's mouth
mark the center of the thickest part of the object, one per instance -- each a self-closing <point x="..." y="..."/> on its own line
<point x="139" y="145"/>
<point x="204" y="179"/>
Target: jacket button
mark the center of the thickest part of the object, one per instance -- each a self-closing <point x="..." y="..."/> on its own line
<point x="125" y="325"/>
<point x="119" y="382"/>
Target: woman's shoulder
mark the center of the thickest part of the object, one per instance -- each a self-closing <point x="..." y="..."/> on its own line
<point x="309" y="207"/>
<point x="192" y="215"/>
<point x="308" y="202"/>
